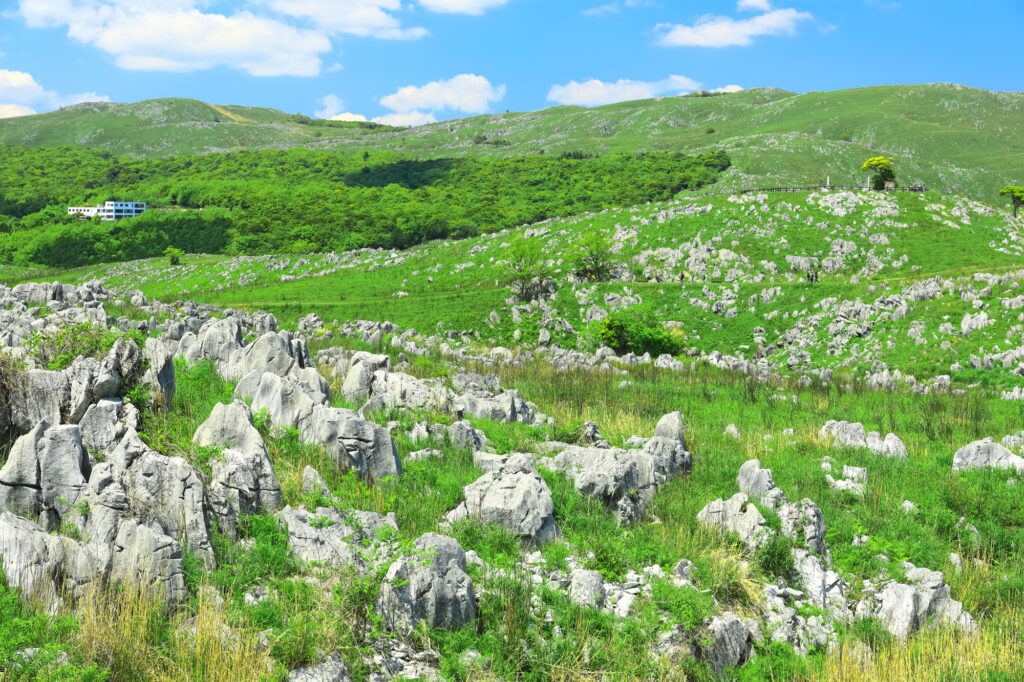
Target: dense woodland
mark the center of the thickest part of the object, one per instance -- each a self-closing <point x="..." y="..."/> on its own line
<point x="301" y="201"/>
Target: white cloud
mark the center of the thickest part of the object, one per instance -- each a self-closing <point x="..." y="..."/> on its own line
<point x="407" y="119"/>
<point x="21" y="93"/>
<point x="594" y="93"/>
<point x="466" y="92"/>
<point x="173" y="35"/>
<point x="462" y="6"/>
<point x="729" y="89"/>
<point x="356" y="17"/>
<point x="713" y="31"/>
<point x="333" y="108"/>
<point x="330" y="105"/>
<point x="20" y="87"/>
<point x="12" y="110"/>
<point x="756" y="5"/>
<point x="616" y="7"/>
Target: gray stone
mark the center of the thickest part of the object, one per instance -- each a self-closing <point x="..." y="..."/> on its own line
<point x="332" y="669"/>
<point x="586" y="588"/>
<point x="727" y="643"/>
<point x="758" y="484"/>
<point x="737" y="515"/>
<point x="803" y="522"/>
<point x="45" y="474"/>
<point x="432" y="587"/>
<point x="329" y="537"/>
<point x="986" y="454"/>
<point x="354" y="442"/>
<point x="514" y="497"/>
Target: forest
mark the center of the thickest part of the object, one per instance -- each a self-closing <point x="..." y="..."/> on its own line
<point x="305" y="201"/>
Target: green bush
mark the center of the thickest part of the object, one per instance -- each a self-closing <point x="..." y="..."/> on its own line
<point x="57" y="349"/>
<point x="636" y="330"/>
<point x="688" y="606"/>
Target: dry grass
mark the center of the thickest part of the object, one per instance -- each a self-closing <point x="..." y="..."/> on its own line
<point x="127" y="629"/>
<point x="995" y="651"/>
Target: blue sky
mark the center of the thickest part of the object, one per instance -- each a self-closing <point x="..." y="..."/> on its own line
<point x="413" y="61"/>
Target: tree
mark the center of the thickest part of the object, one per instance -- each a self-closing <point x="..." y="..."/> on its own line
<point x="173" y="255"/>
<point x="885" y="171"/>
<point x="592" y="257"/>
<point x="526" y="269"/>
<point x="1016" y="194"/>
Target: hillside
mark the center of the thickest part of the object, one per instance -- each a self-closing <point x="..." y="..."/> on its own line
<point x="948" y="137"/>
<point x="919" y="283"/>
<point x="358" y="465"/>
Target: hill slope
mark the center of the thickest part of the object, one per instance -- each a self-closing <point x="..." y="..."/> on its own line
<point x="949" y="137"/>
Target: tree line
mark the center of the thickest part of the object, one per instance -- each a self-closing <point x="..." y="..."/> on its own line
<point x="301" y="200"/>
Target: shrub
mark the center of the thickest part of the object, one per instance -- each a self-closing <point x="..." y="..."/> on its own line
<point x="174" y="255"/>
<point x="526" y="269"/>
<point x="592" y="257"/>
<point x="636" y="330"/>
<point x="688" y="606"/>
<point x="57" y="349"/>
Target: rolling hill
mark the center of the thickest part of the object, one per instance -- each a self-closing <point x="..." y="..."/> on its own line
<point x="949" y="137"/>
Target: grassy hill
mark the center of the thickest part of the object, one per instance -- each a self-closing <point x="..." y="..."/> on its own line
<point x="948" y="137"/>
<point x="724" y="269"/>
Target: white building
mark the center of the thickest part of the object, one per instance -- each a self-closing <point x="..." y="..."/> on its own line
<point x="111" y="210"/>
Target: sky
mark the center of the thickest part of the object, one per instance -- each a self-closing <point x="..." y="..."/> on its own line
<point x="409" y="62"/>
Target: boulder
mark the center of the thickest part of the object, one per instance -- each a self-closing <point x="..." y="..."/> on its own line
<point x="358" y="383"/>
<point x="288" y="399"/>
<point x="986" y="454"/>
<point x="45" y="474"/>
<point x="138" y="483"/>
<point x="432" y="587"/>
<point x="42" y="566"/>
<point x="737" y="515"/>
<point x="727" y="643"/>
<point x="803" y="522"/>
<point x="105" y="424"/>
<point x="332" y="669"/>
<point x="758" y="484"/>
<point x="586" y="588"/>
<point x="514" y="497"/>
<point x="906" y="607"/>
<point x="668" y="447"/>
<point x="624" y="480"/>
<point x="822" y="586"/>
<point x="331" y="537"/>
<point x="354" y="442"/>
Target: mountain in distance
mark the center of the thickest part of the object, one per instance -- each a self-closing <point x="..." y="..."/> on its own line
<point x="949" y="137"/>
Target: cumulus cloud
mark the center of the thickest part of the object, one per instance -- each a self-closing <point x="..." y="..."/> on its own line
<point x="714" y="31"/>
<point x="595" y="92"/>
<point x="174" y="35"/>
<point x="371" y="18"/>
<point x="22" y="95"/>
<point x="409" y="119"/>
<point x="462" y="6"/>
<point x="332" y="108"/>
<point x="756" y="5"/>
<point x="466" y="92"/>
<point x="12" y="110"/>
<point x="729" y="89"/>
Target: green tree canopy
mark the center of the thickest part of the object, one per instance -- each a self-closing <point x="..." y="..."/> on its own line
<point x="884" y="168"/>
<point x="1016" y="195"/>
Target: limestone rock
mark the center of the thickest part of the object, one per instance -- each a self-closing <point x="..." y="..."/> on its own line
<point x="737" y="515"/>
<point x="433" y="587"/>
<point x="986" y="454"/>
<point x="514" y="497"/>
